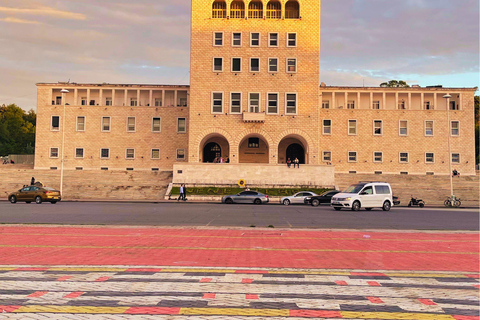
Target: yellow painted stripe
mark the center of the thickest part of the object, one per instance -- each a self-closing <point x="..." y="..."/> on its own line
<point x="70" y="309"/>
<point x="394" y="316"/>
<point x="7" y="268"/>
<point x="87" y="269"/>
<point x="236" y="312"/>
<point x="235" y="249"/>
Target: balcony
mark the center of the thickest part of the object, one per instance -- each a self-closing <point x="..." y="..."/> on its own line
<point x="254" y="117"/>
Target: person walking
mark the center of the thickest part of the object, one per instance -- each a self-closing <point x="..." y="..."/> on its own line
<point x="180" y="197"/>
<point x="32" y="182"/>
<point x="184" y="192"/>
<point x="296" y="162"/>
<point x="289" y="162"/>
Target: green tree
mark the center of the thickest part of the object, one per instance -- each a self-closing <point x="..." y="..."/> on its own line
<point x="17" y="130"/>
<point x="395" y="84"/>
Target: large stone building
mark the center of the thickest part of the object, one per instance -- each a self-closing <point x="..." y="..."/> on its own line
<point x="255" y="97"/>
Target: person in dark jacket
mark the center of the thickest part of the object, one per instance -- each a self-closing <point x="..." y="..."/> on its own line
<point x="32" y="182"/>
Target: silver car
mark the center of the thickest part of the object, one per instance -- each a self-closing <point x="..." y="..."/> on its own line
<point x="246" y="197"/>
<point x="297" y="198"/>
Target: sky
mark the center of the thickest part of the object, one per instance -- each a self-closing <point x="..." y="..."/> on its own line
<point x="363" y="43"/>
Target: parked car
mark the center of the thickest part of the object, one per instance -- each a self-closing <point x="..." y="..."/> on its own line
<point x="396" y="202"/>
<point x="366" y="195"/>
<point x="246" y="197"/>
<point x="35" y="193"/>
<point x="297" y="198"/>
<point x="325" y="197"/>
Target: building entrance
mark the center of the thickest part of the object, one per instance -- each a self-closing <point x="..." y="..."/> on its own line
<point x="211" y="151"/>
<point x="295" y="150"/>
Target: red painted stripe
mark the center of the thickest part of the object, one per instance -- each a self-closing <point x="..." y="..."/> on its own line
<point x="466" y="317"/>
<point x="64" y="278"/>
<point x="251" y="296"/>
<point x="315" y="314"/>
<point x="152" y="310"/>
<point x="206" y="280"/>
<point x="341" y="283"/>
<point x="143" y="270"/>
<point x="72" y="295"/>
<point x="37" y="294"/>
<point x="375" y="300"/>
<point x="477" y="286"/>
<point x="8" y="308"/>
<point x="30" y="269"/>
<point x="101" y="279"/>
<point x="374" y="284"/>
<point x="247" y="280"/>
<point x="368" y="274"/>
<point x="252" y="271"/>
<point x="208" y="296"/>
<point x="476" y="276"/>
<point x="427" y="302"/>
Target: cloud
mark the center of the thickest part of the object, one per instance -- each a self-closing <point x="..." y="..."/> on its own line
<point x="44" y="11"/>
<point x="16" y="20"/>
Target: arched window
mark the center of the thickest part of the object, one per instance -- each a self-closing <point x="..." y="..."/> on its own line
<point x="219" y="9"/>
<point x="237" y="10"/>
<point x="292" y="9"/>
<point x="255" y="10"/>
<point x="274" y="10"/>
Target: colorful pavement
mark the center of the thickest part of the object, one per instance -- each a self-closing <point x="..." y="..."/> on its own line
<point x="186" y="273"/>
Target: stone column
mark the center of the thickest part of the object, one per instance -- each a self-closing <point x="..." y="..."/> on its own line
<point x="460" y="101"/>
<point x="88" y="97"/>
<point x="358" y="99"/>
<point x="333" y="100"/>
<point x="113" y="96"/>
<point x="409" y="101"/>
<point x="371" y="100"/>
<point x="100" y="96"/>
<point x="175" y="98"/>
<point x="150" y="98"/>
<point x="435" y="101"/>
<point x="125" y="97"/>
<point x="75" y="97"/>
<point x="384" y="103"/>
<point x="422" y="101"/>
<point x="396" y="100"/>
<point x="346" y="100"/>
<point x="163" y="97"/>
<point x="138" y="97"/>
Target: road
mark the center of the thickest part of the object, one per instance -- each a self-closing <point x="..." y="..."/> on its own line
<point x="221" y="215"/>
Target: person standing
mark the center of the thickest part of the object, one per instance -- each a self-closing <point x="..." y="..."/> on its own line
<point x="184" y="192"/>
<point x="289" y="162"/>
<point x="227" y="160"/>
<point x="296" y="162"/>
<point x="180" y="197"/>
<point x="32" y="182"/>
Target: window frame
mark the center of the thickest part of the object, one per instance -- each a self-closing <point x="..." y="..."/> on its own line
<point x="233" y="39"/>
<point x="326" y="103"/>
<point x="348" y="156"/>
<point x="50" y="153"/>
<point x="276" y="64"/>
<point x="375" y="156"/>
<point x="376" y="103"/>
<point x="451" y="157"/>
<point x="153" y="125"/>
<point x="425" y="128"/>
<point x="286" y="65"/>
<point x="433" y="158"/>
<point x="270" y="39"/>
<point x="184" y="155"/>
<point x="108" y="101"/>
<point x="250" y="65"/>
<point x="214" y="65"/>
<point x="288" y="39"/>
<point x="231" y="102"/>
<point x="84" y="123"/>
<point x="101" y="149"/>
<point x="348" y="127"/>
<point x="134" y="102"/>
<point x="109" y="124"/>
<point x="323" y="156"/>
<point x="134" y="124"/>
<point x="178" y="127"/>
<point x="375" y="128"/>
<point x="126" y="154"/>
<point x="267" y="101"/>
<point x="400" y="128"/>
<point x="51" y="123"/>
<point x="351" y="104"/>
<point x="400" y="157"/>
<point x="151" y="154"/>
<point x="212" y="102"/>
<point x="259" y="102"/>
<point x="451" y="128"/>
<point x="259" y="40"/>
<point x="286" y="103"/>
<point x="324" y="126"/>
<point x="231" y="65"/>
<point x="214" y="38"/>
<point x="83" y="153"/>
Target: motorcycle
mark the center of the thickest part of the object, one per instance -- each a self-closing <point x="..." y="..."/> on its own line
<point x="416" y="202"/>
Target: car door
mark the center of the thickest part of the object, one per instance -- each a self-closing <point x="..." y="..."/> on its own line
<point x="242" y="197"/>
<point x="297" y="198"/>
<point x="303" y="195"/>
<point x="367" y="197"/>
<point x="23" y="194"/>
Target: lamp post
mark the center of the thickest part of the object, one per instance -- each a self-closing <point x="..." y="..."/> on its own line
<point x="63" y="91"/>
<point x="447" y="97"/>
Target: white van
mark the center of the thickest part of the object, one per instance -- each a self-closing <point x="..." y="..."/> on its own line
<point x="366" y="195"/>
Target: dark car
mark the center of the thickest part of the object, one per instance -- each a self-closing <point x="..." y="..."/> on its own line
<point x="38" y="194"/>
<point x="246" y="197"/>
<point x="325" y="197"/>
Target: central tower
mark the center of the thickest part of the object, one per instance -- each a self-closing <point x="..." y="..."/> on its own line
<point x="254" y="81"/>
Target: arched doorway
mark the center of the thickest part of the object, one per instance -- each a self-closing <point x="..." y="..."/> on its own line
<point x="253" y="149"/>
<point x="295" y="150"/>
<point x="211" y="151"/>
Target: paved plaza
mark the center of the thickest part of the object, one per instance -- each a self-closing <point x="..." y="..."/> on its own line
<point x="50" y="272"/>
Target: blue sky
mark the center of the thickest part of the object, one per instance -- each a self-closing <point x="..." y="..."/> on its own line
<point x="364" y="42"/>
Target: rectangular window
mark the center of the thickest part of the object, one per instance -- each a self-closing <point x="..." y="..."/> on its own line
<point x="291" y="39"/>
<point x="83" y="101"/>
<point x="351" y="104"/>
<point x="273" y="39"/>
<point x="235" y="102"/>
<point x="130" y="153"/>
<point x="429" y="128"/>
<point x="403" y="127"/>
<point x="58" y="100"/>
<point x="236" y="64"/>
<point x="378" y="156"/>
<point x="455" y="157"/>
<point x="53" y="152"/>
<point x="254" y="64"/>
<point x="352" y="156"/>
<point x="133" y="102"/>
<point x="272" y="103"/>
<point x="180" y="154"/>
<point x="327" y="126"/>
<point x="429" y="157"/>
<point x="254" y="39"/>
<point x="55" y="123"/>
<point x="155" y="154"/>
<point x="158" y="102"/>
<point x="108" y="101"/>
<point x="327" y="156"/>
<point x="253" y="142"/>
<point x="217" y="102"/>
<point x="218" y="39"/>
<point x="376" y="104"/>
<point x="106" y="124"/>
<point x="427" y="106"/>
<point x="352" y="127"/>
<point x="272" y="65"/>
<point x="92" y="102"/>
<point x="131" y="124"/>
<point x="104" y="153"/>
<point x="455" y="128"/>
<point x="377" y="127"/>
<point x="325" y="104"/>
<point x="290" y="103"/>
<point x="156" y="124"/>
<point x="236" y="39"/>
<point x="291" y="65"/>
<point x="181" y="125"/>
<point x="403" y="157"/>
<point x="79" y="153"/>
<point x="81" y="123"/>
<point x="254" y="102"/>
<point x="453" y="105"/>
<point x="217" y="64"/>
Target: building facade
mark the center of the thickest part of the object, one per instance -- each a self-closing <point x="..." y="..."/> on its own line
<point x="255" y="98"/>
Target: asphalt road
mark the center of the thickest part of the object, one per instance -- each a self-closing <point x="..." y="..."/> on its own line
<point x="244" y="215"/>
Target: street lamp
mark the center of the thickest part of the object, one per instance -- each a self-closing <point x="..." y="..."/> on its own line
<point x="63" y="91"/>
<point x="447" y="96"/>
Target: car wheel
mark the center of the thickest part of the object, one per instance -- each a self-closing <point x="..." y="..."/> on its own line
<point x="386" y="206"/>
<point x="368" y="209"/>
<point x="315" y="202"/>
<point x="38" y="199"/>
<point x="337" y="208"/>
<point x="228" y="201"/>
<point x="421" y="204"/>
<point x="286" y="202"/>
<point x="257" y="201"/>
<point x="28" y="201"/>
<point x="13" y="199"/>
<point x="356" y="206"/>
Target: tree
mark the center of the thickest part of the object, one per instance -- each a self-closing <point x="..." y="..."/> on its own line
<point x="17" y="130"/>
<point x="395" y="84"/>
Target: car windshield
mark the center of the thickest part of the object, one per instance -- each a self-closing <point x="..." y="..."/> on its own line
<point x="354" y="188"/>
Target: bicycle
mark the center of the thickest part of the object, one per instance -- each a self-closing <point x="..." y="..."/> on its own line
<point x="452" y="202"/>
